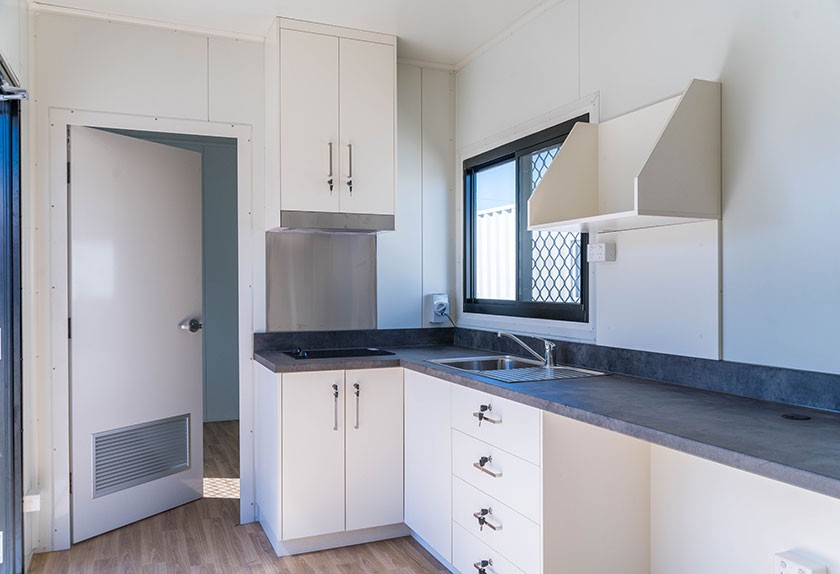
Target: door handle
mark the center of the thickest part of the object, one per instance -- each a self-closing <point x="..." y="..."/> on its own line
<point x="330" y="174"/>
<point x="350" y="168"/>
<point x="335" y="411"/>
<point x="191" y="325"/>
<point x="357" y="392"/>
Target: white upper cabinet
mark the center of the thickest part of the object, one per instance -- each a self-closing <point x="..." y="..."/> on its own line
<point x="660" y="165"/>
<point x="335" y="89"/>
<point x="308" y="121"/>
<point x="367" y="127"/>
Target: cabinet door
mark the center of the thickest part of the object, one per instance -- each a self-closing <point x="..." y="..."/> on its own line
<point x="374" y="439"/>
<point x="313" y="453"/>
<point x="428" y="461"/>
<point x="367" y="127"/>
<point x="308" y="121"/>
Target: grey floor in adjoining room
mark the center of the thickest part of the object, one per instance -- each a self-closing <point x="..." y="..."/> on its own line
<point x="205" y="536"/>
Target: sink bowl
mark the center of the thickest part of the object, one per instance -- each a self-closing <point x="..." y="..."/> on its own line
<point x="512" y="370"/>
<point x="494" y="363"/>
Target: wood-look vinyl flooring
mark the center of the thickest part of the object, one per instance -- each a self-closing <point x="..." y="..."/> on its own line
<point x="205" y="537"/>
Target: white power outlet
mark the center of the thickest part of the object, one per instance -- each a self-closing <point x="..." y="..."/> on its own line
<point x="437" y="308"/>
<point x="599" y="252"/>
<point x="793" y="563"/>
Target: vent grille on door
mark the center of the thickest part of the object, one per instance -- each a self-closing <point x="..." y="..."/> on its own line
<point x="133" y="455"/>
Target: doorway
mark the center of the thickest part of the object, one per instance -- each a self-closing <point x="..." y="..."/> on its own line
<point x="11" y="517"/>
<point x="165" y="209"/>
<point x="249" y="306"/>
<point x="219" y="262"/>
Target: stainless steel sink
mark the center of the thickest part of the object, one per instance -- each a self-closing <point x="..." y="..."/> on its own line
<point x="509" y="369"/>
<point x="494" y="363"/>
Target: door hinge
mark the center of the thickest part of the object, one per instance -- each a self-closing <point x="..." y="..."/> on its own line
<point x="69" y="328"/>
<point x="71" y="483"/>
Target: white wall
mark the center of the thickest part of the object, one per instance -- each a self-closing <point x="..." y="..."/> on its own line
<point x="706" y="517"/>
<point x="781" y="131"/>
<point x="14" y="39"/>
<point x="417" y="259"/>
<point x="109" y="67"/>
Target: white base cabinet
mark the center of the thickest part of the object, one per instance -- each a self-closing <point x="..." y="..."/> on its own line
<point x="530" y="491"/>
<point x="338" y="476"/>
<point x="428" y="451"/>
<point x="313" y="453"/>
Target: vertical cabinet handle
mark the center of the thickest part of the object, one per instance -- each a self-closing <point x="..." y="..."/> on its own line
<point x="335" y="399"/>
<point x="357" y="392"/>
<point x="330" y="174"/>
<point x="350" y="168"/>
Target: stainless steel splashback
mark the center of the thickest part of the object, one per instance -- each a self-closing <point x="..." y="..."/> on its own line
<point x="320" y="281"/>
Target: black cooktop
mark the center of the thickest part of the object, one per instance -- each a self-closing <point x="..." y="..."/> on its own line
<point x="336" y="353"/>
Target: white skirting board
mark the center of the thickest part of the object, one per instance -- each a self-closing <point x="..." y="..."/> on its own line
<point x="337" y="540"/>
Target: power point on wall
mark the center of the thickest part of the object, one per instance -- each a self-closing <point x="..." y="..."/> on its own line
<point x="599" y="252"/>
<point x="793" y="563"/>
<point x="437" y="308"/>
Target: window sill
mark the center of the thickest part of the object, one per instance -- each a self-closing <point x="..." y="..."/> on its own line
<point x="564" y="330"/>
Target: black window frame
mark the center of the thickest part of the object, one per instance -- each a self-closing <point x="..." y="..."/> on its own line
<point x="11" y="429"/>
<point x="573" y="312"/>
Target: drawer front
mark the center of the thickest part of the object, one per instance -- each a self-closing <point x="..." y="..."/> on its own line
<point x="506" y="477"/>
<point x="506" y="424"/>
<point x="506" y="531"/>
<point x="467" y="550"/>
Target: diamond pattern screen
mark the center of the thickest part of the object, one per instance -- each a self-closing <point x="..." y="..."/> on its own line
<point x="555" y="256"/>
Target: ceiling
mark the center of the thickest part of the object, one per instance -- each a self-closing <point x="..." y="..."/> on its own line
<point x="438" y="31"/>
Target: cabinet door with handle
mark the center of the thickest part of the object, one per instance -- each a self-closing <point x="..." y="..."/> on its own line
<point x="367" y="104"/>
<point x="312" y="453"/>
<point x="374" y="438"/>
<point x="309" y="145"/>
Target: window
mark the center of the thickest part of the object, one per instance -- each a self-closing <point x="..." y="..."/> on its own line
<point x="509" y="270"/>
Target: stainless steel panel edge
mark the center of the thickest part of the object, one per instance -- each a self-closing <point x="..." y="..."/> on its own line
<point x="338" y="222"/>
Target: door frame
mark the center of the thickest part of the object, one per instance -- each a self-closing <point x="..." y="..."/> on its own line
<point x="60" y="121"/>
<point x="11" y="411"/>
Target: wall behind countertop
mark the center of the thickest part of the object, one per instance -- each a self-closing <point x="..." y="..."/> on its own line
<point x="781" y="133"/>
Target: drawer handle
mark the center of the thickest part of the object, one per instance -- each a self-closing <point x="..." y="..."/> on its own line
<point x="485" y="518"/>
<point x="482" y="565"/>
<point x="482" y="466"/>
<point x="482" y="415"/>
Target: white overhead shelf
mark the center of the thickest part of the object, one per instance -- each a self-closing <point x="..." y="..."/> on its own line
<point x="660" y="165"/>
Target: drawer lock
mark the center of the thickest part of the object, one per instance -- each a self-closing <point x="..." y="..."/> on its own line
<point x="485" y="518"/>
<point x="484" y="414"/>
<point x="482" y="466"/>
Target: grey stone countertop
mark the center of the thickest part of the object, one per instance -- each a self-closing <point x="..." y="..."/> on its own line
<point x="742" y="433"/>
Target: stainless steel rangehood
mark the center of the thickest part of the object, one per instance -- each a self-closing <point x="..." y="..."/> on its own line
<point x="337" y="222"/>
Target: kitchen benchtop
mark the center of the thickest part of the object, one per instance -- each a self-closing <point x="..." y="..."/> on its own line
<point x="743" y="433"/>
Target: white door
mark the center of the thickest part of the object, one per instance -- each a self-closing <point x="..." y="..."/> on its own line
<point x="374" y="438"/>
<point x="308" y="122"/>
<point x="136" y="377"/>
<point x="313" y="453"/>
<point x="428" y="460"/>
<point x="367" y="127"/>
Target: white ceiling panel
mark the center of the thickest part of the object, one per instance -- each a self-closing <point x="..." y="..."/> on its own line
<point x="440" y="31"/>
